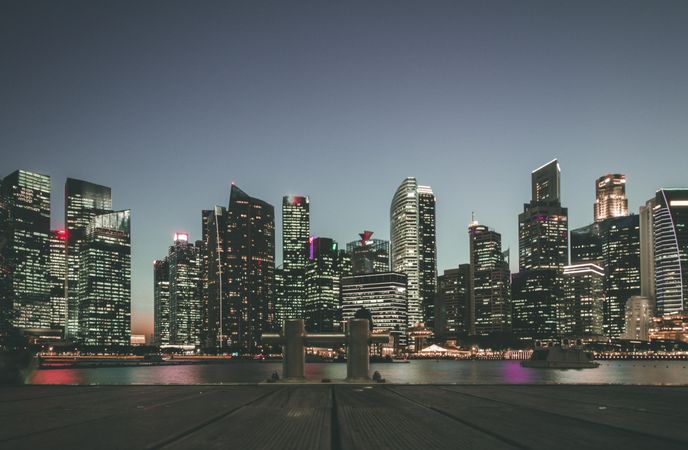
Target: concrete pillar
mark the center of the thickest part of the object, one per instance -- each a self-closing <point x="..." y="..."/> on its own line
<point x="357" y="359"/>
<point x="294" y="353"/>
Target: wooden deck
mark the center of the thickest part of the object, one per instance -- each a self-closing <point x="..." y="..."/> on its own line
<point x="344" y="417"/>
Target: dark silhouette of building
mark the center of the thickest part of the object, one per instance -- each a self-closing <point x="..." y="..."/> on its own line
<point x="452" y="303"/>
<point x="489" y="281"/>
<point x="250" y="271"/>
<point x="537" y="289"/>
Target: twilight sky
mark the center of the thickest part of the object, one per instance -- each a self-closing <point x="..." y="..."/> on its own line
<point x="168" y="102"/>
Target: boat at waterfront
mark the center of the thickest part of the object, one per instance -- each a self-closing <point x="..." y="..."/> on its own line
<point x="558" y="357"/>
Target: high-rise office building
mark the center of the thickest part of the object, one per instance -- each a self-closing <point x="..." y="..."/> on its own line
<point x="295" y="234"/>
<point x="413" y="246"/>
<point x="105" y="280"/>
<point x="537" y="288"/>
<point x="582" y="312"/>
<point x="647" y="252"/>
<point x="368" y="255"/>
<point x="250" y="271"/>
<point x="451" y="304"/>
<point x="161" y="302"/>
<point x="83" y="202"/>
<point x="215" y="287"/>
<point x="323" y="285"/>
<point x="27" y="248"/>
<point x="489" y="280"/>
<point x="184" y="291"/>
<point x="610" y="197"/>
<point x="614" y="244"/>
<point x="58" y="279"/>
<point x="638" y="318"/>
<point x="382" y="294"/>
<point x="670" y="246"/>
<point x="6" y="311"/>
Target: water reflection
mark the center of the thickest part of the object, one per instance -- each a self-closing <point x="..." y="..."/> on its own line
<point x="425" y="371"/>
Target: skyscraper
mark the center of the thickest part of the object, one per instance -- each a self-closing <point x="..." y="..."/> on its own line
<point x="105" y="280"/>
<point x="27" y="248"/>
<point x="452" y="299"/>
<point x="185" y="296"/>
<point x="368" y="255"/>
<point x="582" y="313"/>
<point x="83" y="202"/>
<point x="537" y="289"/>
<point x="295" y="234"/>
<point x="490" y="287"/>
<point x="323" y="285"/>
<point x="215" y="287"/>
<point x="610" y="197"/>
<point x="382" y="293"/>
<point x="250" y="271"/>
<point x="638" y="318"/>
<point x="58" y="279"/>
<point x="413" y="247"/>
<point x="161" y="302"/>
<point x="670" y="238"/>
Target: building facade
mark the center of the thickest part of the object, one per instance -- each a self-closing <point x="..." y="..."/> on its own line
<point x="638" y="318"/>
<point x="383" y="294"/>
<point x="295" y="234"/>
<point x="610" y="197"/>
<point x="83" y="202"/>
<point x="368" y="255"/>
<point x="413" y="246"/>
<point x="452" y="310"/>
<point x="325" y="268"/>
<point x="161" y="302"/>
<point x="581" y="315"/>
<point x="26" y="249"/>
<point x="670" y="245"/>
<point x="250" y="271"/>
<point x="105" y="281"/>
<point x="58" y="279"/>
<point x="537" y="289"/>
<point x="489" y="280"/>
<point x="184" y="292"/>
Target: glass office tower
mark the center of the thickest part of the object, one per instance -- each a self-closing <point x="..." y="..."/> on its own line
<point x="105" y="281"/>
<point x="83" y="202"/>
<point x="295" y="234"/>
<point x="26" y="249"/>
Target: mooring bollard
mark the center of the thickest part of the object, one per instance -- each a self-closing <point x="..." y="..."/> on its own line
<point x="294" y="340"/>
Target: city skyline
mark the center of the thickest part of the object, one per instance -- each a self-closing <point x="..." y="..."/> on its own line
<point x="491" y="109"/>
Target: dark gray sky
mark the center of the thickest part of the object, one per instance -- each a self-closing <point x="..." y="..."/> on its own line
<point x="169" y="102"/>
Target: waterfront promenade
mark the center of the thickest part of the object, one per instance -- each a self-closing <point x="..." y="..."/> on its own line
<point x="340" y="416"/>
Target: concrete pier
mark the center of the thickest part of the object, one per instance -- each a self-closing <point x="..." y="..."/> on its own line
<point x="341" y="416"/>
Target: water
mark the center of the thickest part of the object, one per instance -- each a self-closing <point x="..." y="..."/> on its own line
<point x="417" y="371"/>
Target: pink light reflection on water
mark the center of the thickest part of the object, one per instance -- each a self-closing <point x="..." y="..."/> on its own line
<point x="57" y="376"/>
<point x="513" y="372"/>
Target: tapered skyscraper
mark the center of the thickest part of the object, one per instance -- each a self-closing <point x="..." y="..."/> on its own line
<point x="295" y="234"/>
<point x="83" y="202"/>
<point x="670" y="250"/>
<point x="250" y="271"/>
<point x="413" y="246"/>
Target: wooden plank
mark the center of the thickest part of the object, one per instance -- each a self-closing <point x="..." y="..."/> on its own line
<point x="629" y="408"/>
<point x="135" y="421"/>
<point x="532" y="428"/>
<point x="376" y="418"/>
<point x="296" y="417"/>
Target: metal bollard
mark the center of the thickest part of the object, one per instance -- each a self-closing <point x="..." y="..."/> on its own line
<point x="294" y="339"/>
<point x="293" y="350"/>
